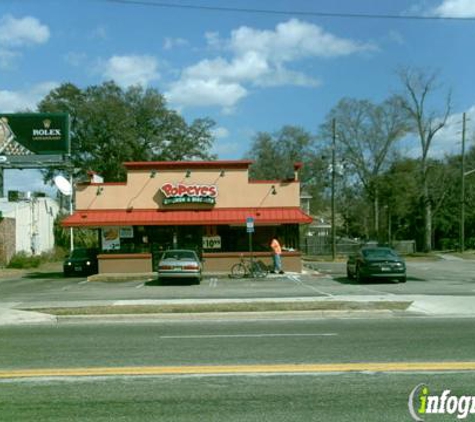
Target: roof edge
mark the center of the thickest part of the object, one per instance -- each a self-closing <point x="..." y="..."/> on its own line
<point x="222" y="164"/>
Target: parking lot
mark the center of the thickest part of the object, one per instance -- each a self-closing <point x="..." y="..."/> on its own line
<point x="442" y="277"/>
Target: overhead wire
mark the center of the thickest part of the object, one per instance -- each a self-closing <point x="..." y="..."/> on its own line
<point x="161" y="4"/>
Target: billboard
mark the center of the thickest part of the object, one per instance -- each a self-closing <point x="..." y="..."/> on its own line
<point x="29" y="134"/>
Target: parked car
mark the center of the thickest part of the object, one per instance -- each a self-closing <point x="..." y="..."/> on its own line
<point x="374" y="262"/>
<point x="81" y="261"/>
<point x="180" y="264"/>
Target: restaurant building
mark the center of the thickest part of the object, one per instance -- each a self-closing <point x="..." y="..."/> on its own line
<point x="210" y="206"/>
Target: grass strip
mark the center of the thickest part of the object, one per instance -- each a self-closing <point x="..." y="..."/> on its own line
<point x="225" y="307"/>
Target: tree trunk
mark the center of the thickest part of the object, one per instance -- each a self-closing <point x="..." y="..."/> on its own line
<point x="376" y="229"/>
<point x="427" y="246"/>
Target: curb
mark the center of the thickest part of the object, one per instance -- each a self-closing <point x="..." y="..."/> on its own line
<point x="121" y="277"/>
<point x="219" y="316"/>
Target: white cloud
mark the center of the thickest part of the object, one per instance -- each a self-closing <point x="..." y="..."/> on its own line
<point x="131" y="70"/>
<point x="228" y="150"/>
<point x="448" y="140"/>
<point x="24" y="31"/>
<point x="7" y="58"/>
<point x="293" y="40"/>
<point x="282" y="76"/>
<point x="220" y="132"/>
<point x="206" y="92"/>
<point x="213" y="40"/>
<point x="171" y="43"/>
<point x="456" y="9"/>
<point x="223" y="147"/>
<point x="14" y="101"/>
<point x="260" y="58"/>
<point x="247" y="67"/>
<point x="18" y="33"/>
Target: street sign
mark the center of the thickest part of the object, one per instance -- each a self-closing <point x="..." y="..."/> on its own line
<point x="250" y="224"/>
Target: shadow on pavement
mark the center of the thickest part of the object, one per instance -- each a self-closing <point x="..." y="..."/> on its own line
<point x="347" y="281"/>
<point x="35" y="275"/>
<point x="172" y="282"/>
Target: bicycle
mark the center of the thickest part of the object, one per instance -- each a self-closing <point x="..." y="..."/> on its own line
<point x="247" y="268"/>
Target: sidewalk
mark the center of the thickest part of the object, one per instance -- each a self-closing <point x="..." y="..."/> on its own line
<point x="11" y="316"/>
<point x="335" y="307"/>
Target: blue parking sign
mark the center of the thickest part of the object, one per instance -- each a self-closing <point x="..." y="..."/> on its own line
<point x="250" y="224"/>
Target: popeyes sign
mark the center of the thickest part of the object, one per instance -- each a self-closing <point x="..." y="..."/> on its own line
<point x="180" y="193"/>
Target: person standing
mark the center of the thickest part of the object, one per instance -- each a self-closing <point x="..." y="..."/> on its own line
<point x="276" y="255"/>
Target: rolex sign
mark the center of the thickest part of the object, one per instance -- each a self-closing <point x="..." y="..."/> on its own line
<point x="34" y="133"/>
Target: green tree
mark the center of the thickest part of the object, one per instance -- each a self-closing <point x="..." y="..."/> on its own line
<point x="366" y="134"/>
<point x="469" y="196"/>
<point x="110" y="125"/>
<point x="275" y="154"/>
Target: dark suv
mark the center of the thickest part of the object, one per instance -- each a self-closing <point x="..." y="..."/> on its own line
<point x="81" y="261"/>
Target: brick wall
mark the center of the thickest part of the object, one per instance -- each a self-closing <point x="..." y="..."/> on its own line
<point x="7" y="240"/>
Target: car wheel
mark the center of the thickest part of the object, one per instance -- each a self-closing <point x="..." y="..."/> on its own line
<point x="403" y="279"/>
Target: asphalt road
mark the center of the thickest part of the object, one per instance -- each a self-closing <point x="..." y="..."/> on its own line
<point x="339" y="398"/>
<point x="356" y="369"/>
<point x="235" y="370"/>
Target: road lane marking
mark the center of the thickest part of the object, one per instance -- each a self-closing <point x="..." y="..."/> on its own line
<point x="82" y="282"/>
<point x="299" y="282"/>
<point x="379" y="292"/>
<point x="248" y="335"/>
<point x="240" y="369"/>
<point x="140" y="286"/>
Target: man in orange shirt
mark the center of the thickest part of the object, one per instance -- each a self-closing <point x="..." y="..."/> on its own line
<point x="277" y="252"/>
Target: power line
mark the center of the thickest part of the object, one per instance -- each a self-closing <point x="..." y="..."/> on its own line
<point x="151" y="3"/>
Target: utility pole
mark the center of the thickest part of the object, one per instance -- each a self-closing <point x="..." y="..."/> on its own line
<point x="333" y="189"/>
<point x="462" y="189"/>
<point x="1" y="181"/>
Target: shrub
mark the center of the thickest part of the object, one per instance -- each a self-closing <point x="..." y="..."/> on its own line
<point x="447" y="244"/>
<point x="22" y="260"/>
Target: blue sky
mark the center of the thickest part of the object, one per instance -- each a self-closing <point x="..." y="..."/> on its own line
<point x="249" y="72"/>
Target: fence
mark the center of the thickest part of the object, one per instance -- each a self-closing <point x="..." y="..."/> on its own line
<point x="319" y="246"/>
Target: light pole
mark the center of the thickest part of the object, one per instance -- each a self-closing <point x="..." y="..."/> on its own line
<point x="71" y="206"/>
<point x="463" y="174"/>
<point x="333" y="189"/>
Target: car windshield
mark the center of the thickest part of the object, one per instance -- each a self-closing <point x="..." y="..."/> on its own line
<point x="179" y="255"/>
<point x="81" y="253"/>
<point x="379" y="253"/>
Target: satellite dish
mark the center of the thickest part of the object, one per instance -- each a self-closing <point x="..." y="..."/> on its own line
<point x="63" y="185"/>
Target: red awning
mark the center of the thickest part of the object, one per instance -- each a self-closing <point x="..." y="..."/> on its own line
<point x="219" y="216"/>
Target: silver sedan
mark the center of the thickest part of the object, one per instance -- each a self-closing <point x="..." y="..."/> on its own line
<point x="180" y="264"/>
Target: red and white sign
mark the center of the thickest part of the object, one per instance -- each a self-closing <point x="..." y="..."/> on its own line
<point x="181" y="193"/>
<point x="180" y="189"/>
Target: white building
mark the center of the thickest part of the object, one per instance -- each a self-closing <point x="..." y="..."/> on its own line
<point x="34" y="223"/>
